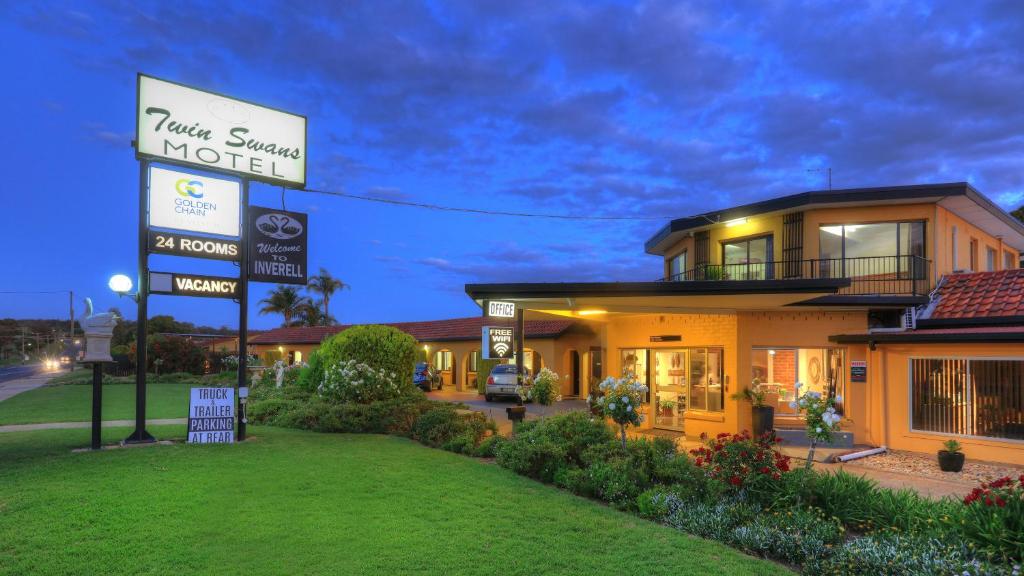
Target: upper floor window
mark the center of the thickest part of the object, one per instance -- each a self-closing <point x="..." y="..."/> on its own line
<point x="990" y="259"/>
<point x="886" y="239"/>
<point x="1009" y="262"/>
<point x="973" y="254"/>
<point x="747" y="259"/>
<point x="677" y="267"/>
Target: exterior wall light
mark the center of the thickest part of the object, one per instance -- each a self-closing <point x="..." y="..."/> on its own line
<point x="591" y="312"/>
<point x="735" y="222"/>
<point x="122" y="285"/>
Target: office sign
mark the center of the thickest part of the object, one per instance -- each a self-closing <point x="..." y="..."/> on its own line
<point x="187" y="125"/>
<point x="178" y="284"/>
<point x="211" y="416"/>
<point x="496" y="309"/>
<point x="858" y="371"/>
<point x="666" y="338"/>
<point x="277" y="246"/>
<point x="184" y="201"/>
<point x="498" y="342"/>
<point x="195" y="246"/>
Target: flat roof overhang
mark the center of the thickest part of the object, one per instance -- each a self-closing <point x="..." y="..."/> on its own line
<point x="653" y="297"/>
<point x="935" y="336"/>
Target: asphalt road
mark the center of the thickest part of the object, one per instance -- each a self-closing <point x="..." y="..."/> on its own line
<point x="21" y="371"/>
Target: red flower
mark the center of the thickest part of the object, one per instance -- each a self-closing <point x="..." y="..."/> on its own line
<point x="735" y="480"/>
<point x="776" y="476"/>
<point x="765" y="470"/>
<point x="1000" y="502"/>
<point x="699" y="462"/>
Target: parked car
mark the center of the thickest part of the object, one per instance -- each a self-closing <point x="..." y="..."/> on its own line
<point x="425" y="377"/>
<point x="502" y="382"/>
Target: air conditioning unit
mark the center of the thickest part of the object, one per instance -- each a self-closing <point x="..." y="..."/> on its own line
<point x="910" y="318"/>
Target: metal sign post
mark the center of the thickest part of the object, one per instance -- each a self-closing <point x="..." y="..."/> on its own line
<point x="520" y="352"/>
<point x="243" y="312"/>
<point x="140" y="435"/>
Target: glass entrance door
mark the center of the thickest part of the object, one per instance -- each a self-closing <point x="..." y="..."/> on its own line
<point x="670" y="387"/>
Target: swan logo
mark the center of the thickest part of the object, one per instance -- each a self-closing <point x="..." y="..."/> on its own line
<point x="279" y="226"/>
<point x="189" y="188"/>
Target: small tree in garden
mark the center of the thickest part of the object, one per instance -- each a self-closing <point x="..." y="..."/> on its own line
<point x="820" y="415"/>
<point x="621" y="402"/>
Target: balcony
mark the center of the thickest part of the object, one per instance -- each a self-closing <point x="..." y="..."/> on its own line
<point x="871" y="275"/>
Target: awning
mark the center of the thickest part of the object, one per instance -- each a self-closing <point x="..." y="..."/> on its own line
<point x="590" y="299"/>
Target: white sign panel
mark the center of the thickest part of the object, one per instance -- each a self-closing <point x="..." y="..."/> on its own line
<point x="205" y="129"/>
<point x="183" y="201"/>
<point x="497" y="309"/>
<point x="211" y="416"/>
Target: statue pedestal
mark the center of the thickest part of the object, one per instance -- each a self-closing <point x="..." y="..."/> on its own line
<point x="97" y="347"/>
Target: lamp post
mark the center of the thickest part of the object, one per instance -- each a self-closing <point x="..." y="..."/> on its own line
<point x="122" y="285"/>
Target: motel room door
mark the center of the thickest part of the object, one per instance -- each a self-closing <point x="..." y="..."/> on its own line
<point x="669" y="387"/>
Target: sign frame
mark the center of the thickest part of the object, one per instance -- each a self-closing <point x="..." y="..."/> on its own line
<point x="175" y="291"/>
<point x="233" y="182"/>
<point x="499" y="309"/>
<point x="858" y="371"/>
<point x="139" y="155"/>
<point x="254" y="237"/>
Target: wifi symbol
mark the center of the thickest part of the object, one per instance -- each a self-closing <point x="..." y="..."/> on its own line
<point x="501" y="348"/>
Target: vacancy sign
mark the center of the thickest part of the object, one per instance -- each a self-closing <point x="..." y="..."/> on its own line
<point x="211" y="416"/>
<point x="186" y="125"/>
<point x="497" y="342"/>
<point x="177" y="284"/>
<point x="183" y="201"/>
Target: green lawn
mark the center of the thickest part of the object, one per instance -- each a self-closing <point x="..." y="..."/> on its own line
<point x="292" y="502"/>
<point x="73" y="403"/>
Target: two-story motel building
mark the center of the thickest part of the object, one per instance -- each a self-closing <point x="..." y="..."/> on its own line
<point x="854" y="293"/>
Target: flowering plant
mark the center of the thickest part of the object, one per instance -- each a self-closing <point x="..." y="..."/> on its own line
<point x="741" y="461"/>
<point x="820" y="415"/>
<point x="231" y="362"/>
<point x="544" y="390"/>
<point x="621" y="402"/>
<point x="355" y="382"/>
<point x="994" y="517"/>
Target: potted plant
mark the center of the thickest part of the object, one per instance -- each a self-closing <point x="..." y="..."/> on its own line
<point x="951" y="459"/>
<point x="762" y="414"/>
<point x="666" y="407"/>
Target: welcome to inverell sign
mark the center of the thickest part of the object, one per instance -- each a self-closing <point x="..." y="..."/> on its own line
<point x="277" y="246"/>
<point x="208" y="130"/>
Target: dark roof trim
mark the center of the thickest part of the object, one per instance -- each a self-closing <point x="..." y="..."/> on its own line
<point x="696" y="288"/>
<point x="806" y="199"/>
<point x="965" y="322"/>
<point x="944" y="337"/>
<point x="864" y="300"/>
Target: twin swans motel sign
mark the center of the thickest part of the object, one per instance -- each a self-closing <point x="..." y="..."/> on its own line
<point x="207" y="130"/>
<point x="195" y="203"/>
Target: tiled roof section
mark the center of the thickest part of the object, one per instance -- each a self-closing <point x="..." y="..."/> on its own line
<point x="981" y="295"/>
<point x="429" y="331"/>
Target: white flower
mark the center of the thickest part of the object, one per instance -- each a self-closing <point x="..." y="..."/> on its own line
<point x="818" y="429"/>
<point x="625" y="399"/>
<point x="611" y="406"/>
<point x="798" y="385"/>
<point x="792" y="405"/>
<point x="632" y="408"/>
<point x="839" y="398"/>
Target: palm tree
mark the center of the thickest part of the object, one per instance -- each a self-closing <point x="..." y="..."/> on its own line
<point x="284" y="300"/>
<point x="310" y="314"/>
<point x="326" y="285"/>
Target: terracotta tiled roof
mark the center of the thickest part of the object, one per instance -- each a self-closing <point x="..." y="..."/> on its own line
<point x="429" y="331"/>
<point x="981" y="295"/>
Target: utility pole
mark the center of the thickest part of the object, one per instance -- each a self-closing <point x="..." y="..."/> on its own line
<point x="828" y="172"/>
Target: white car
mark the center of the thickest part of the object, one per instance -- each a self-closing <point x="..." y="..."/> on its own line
<point x="502" y="382"/>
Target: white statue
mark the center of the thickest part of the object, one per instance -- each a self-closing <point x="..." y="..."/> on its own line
<point x="98" y="329"/>
<point x="279" y="373"/>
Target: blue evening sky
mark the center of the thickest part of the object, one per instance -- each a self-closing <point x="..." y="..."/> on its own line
<point x="609" y="108"/>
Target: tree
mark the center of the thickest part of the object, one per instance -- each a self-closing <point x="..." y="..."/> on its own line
<point x="1018" y="213"/>
<point x="326" y="285"/>
<point x="284" y="300"/>
<point x="310" y="314"/>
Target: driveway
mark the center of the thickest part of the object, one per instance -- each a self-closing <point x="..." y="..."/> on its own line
<point x="496" y="410"/>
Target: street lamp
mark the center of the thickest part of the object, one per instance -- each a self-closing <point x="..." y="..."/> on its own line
<point x="122" y="285"/>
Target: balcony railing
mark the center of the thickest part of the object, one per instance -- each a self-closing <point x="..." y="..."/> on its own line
<point x="885" y="275"/>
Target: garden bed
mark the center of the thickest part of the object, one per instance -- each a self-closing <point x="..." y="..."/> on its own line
<point x="924" y="465"/>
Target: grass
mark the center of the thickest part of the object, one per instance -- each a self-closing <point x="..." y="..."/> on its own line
<point x="293" y="502"/>
<point x="68" y="398"/>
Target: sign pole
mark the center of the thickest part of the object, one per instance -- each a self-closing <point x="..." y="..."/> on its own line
<point x="140" y="435"/>
<point x="97" y="403"/>
<point x="520" y="352"/>
<point x="243" y="311"/>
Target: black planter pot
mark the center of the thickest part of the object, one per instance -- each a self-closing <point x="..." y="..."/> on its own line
<point x="951" y="461"/>
<point x="764" y="420"/>
<point x="516" y="413"/>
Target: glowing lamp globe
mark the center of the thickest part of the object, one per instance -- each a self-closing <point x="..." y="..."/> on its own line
<point x="120" y="283"/>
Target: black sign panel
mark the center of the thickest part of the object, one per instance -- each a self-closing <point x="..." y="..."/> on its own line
<point x="858" y="371"/>
<point x="193" y="285"/>
<point x="177" y="244"/>
<point x="667" y="338"/>
<point x="499" y="342"/>
<point x="277" y="246"/>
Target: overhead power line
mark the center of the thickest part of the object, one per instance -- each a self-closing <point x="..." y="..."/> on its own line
<point x="443" y="208"/>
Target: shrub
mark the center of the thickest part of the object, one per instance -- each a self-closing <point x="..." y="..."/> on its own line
<point x="902" y="555"/>
<point x="545" y="390"/>
<point x="483" y="370"/>
<point x="714" y="520"/>
<point x="381" y="347"/>
<point x="489" y="446"/>
<point x="356" y="382"/>
<point x="312" y="374"/>
<point x="446" y="426"/>
<point x="173" y="354"/>
<point x="541" y="447"/>
<point x="793" y="536"/>
<point x="993" y="517"/>
<point x="394" y="416"/>
<point x="743" y="464"/>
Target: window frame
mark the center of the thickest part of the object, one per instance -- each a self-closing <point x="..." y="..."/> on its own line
<point x="967" y="395"/>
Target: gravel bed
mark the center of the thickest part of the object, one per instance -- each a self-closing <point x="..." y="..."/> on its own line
<point x="925" y="465"/>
